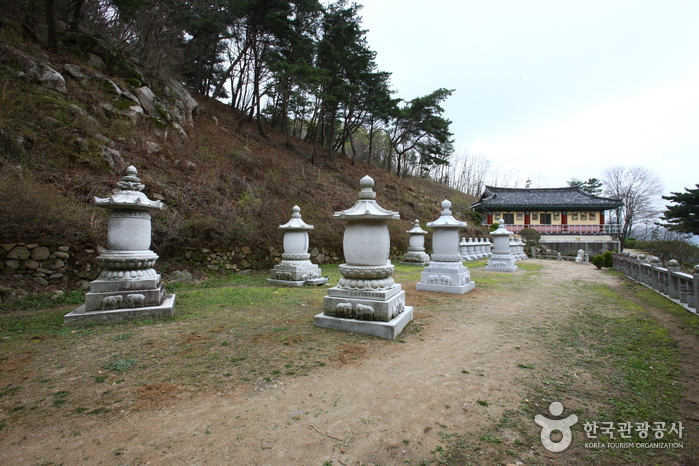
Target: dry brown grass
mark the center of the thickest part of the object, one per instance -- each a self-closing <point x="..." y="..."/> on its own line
<point x="224" y="186"/>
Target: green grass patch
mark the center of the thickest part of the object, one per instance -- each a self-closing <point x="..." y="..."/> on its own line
<point x="49" y="322"/>
<point x="9" y="390"/>
<point x="59" y="398"/>
<point x="97" y="411"/>
<point x="120" y="365"/>
<point x="33" y="302"/>
<point x="644" y="357"/>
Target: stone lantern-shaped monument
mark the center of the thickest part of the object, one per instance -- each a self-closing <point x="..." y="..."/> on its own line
<point x="502" y="259"/>
<point x="128" y="287"/>
<point x="296" y="269"/>
<point x="446" y="273"/>
<point x="366" y="299"/>
<point x="416" y="254"/>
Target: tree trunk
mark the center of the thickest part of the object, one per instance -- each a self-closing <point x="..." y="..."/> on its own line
<point x="371" y="140"/>
<point x="52" y="37"/>
<point x="226" y="75"/>
<point x="77" y="14"/>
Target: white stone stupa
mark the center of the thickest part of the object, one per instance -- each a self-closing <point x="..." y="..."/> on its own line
<point x="502" y="259"/>
<point x="416" y="254"/>
<point x="446" y="273"/>
<point x="296" y="269"/>
<point x="128" y="288"/>
<point x="366" y="299"/>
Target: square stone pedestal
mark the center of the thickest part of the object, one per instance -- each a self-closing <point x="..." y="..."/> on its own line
<point x="390" y="329"/>
<point x="310" y="282"/>
<point x="368" y="312"/>
<point x="456" y="280"/>
<point x="290" y="275"/>
<point x="501" y="263"/>
<point x="81" y="317"/>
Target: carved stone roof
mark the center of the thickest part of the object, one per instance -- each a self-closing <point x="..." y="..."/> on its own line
<point x="366" y="207"/>
<point x="446" y="220"/>
<point x="296" y="222"/>
<point x="128" y="195"/>
<point x="571" y="198"/>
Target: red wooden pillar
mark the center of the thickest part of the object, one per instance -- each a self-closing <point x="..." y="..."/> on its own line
<point x="564" y="221"/>
<point x="601" y="221"/>
<point x="527" y="219"/>
<point x="489" y="218"/>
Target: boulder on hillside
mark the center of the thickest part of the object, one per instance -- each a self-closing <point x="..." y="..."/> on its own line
<point x="152" y="105"/>
<point x="33" y="70"/>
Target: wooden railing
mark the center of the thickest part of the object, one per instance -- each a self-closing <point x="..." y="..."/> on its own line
<point x="609" y="229"/>
<point x="669" y="281"/>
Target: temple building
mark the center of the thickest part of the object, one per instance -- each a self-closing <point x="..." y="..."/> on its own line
<point x="558" y="214"/>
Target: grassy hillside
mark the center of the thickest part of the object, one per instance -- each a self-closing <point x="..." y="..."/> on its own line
<point x="222" y="183"/>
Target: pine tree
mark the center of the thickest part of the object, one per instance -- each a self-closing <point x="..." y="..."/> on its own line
<point x="419" y="129"/>
<point x="684" y="215"/>
<point x="591" y="186"/>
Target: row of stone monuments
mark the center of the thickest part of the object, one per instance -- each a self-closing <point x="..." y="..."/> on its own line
<point x="517" y="248"/>
<point x="475" y="249"/>
<point x="366" y="299"/>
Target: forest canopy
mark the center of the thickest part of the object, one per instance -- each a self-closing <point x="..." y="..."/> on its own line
<point x="300" y="66"/>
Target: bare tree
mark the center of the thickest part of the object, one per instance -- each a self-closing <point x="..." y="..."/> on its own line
<point x="470" y="172"/>
<point x="504" y="178"/>
<point x="640" y="191"/>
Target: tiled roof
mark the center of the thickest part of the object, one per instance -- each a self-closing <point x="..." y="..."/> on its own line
<point x="572" y="198"/>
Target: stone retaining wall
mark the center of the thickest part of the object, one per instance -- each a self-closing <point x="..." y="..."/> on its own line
<point x="44" y="264"/>
<point x="245" y="258"/>
<point x="592" y="248"/>
<point x="58" y="265"/>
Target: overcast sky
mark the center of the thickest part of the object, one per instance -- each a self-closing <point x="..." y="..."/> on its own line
<point x="553" y="89"/>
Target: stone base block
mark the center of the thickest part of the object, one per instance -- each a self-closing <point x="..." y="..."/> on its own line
<point x="317" y="281"/>
<point x="373" y="295"/>
<point x="310" y="282"/>
<point x="123" y="299"/>
<point x="286" y="282"/>
<point x="350" y="305"/>
<point x="454" y="279"/>
<point x="80" y="317"/>
<point x="124" y="284"/>
<point x="390" y="329"/>
<point x="500" y="268"/>
<point x="453" y="289"/>
<point x="501" y="263"/>
<point x="283" y="272"/>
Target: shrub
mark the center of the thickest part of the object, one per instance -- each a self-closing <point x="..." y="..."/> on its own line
<point x="608" y="261"/>
<point x="598" y="261"/>
<point x="476" y="217"/>
<point x="603" y="260"/>
<point x="630" y="243"/>
<point x="530" y="235"/>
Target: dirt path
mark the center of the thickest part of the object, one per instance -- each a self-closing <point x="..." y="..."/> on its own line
<point x="460" y="373"/>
